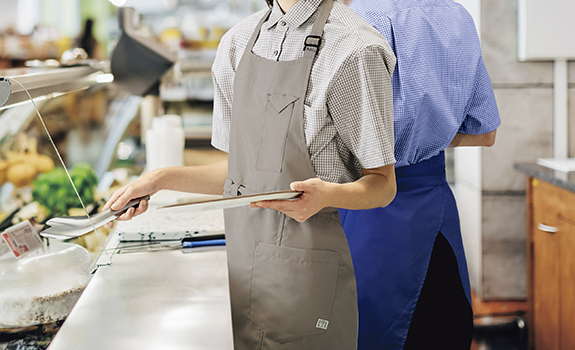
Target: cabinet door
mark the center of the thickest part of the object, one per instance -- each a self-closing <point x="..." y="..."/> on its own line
<point x="546" y="304"/>
<point x="567" y="284"/>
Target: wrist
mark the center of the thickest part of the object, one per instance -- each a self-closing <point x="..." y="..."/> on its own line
<point x="330" y="197"/>
<point x="158" y="179"/>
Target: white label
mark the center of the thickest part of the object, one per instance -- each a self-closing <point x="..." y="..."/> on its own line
<point x="22" y="238"/>
<point x="322" y="323"/>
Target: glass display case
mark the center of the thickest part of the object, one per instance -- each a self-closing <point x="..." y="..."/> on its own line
<point x="94" y="129"/>
<point x="90" y="122"/>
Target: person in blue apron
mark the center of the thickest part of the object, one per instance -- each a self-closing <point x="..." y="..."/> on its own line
<point x="411" y="272"/>
<point x="303" y="100"/>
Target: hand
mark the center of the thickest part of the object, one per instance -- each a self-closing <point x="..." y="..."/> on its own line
<point x="312" y="200"/>
<point x="140" y="187"/>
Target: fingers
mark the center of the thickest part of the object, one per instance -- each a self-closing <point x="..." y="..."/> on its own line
<point x="301" y="209"/>
<point x="277" y="205"/>
<point x="127" y="215"/>
<point x="114" y="197"/>
<point x="132" y="212"/>
<point x="142" y="207"/>
<point x="122" y="200"/>
<point x="296" y="209"/>
<point x="122" y="196"/>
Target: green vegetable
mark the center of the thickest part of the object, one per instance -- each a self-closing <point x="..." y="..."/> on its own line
<point x="54" y="191"/>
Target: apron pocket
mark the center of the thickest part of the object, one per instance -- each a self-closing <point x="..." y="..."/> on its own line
<point x="292" y="290"/>
<point x="278" y="116"/>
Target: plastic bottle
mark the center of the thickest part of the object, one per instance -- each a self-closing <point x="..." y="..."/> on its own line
<point x="165" y="142"/>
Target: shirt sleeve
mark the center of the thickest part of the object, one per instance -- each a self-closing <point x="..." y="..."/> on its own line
<point x="223" y="72"/>
<point x="222" y="118"/>
<point x="482" y="115"/>
<point x="360" y="104"/>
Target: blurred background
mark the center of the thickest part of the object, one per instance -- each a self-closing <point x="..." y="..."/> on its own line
<point x="522" y="276"/>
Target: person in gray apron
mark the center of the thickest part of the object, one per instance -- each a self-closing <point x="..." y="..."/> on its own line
<point x="292" y="284"/>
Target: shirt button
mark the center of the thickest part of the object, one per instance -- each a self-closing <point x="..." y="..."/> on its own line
<point x="276" y="52"/>
<point x="282" y="23"/>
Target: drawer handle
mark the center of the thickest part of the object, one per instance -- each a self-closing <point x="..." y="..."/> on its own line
<point x="546" y="228"/>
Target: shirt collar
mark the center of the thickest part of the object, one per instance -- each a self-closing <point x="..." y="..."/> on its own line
<point x="295" y="17"/>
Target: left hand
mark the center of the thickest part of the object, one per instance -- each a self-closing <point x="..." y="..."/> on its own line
<point x="312" y="200"/>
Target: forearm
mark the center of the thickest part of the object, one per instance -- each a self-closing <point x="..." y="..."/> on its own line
<point x="462" y="140"/>
<point x="370" y="191"/>
<point x="376" y="188"/>
<point x="206" y="179"/>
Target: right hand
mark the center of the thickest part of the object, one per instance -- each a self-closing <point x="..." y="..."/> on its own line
<point x="144" y="185"/>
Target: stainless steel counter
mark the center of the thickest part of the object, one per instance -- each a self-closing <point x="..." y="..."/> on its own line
<point x="168" y="299"/>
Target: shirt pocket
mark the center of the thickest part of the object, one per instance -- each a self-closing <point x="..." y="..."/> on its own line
<point x="279" y="111"/>
<point x="292" y="290"/>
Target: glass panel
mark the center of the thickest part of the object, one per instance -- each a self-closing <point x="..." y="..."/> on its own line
<point x="95" y="130"/>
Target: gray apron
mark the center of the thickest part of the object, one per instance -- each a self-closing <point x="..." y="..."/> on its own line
<point x="292" y="284"/>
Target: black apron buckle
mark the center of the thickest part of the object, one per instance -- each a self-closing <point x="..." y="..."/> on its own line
<point x="312" y="43"/>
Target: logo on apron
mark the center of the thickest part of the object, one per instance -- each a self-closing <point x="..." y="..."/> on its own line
<point x="321" y="323"/>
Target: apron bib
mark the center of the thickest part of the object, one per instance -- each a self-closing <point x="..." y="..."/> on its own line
<point x="391" y="248"/>
<point x="292" y="284"/>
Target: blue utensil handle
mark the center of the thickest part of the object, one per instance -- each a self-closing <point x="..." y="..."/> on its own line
<point x="204" y="243"/>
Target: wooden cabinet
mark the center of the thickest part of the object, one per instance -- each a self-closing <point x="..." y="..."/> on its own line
<point x="551" y="258"/>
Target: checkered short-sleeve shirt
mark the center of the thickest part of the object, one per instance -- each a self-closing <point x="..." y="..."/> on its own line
<point x="348" y="113"/>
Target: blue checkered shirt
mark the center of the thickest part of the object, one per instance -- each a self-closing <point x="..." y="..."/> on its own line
<point x="440" y="83"/>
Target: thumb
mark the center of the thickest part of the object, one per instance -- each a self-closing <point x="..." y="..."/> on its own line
<point x="301" y="186"/>
<point x="297" y="186"/>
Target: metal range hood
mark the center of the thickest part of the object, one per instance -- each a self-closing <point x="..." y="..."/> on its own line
<point x="138" y="62"/>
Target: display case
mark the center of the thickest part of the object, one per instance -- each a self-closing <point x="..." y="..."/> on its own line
<point x="54" y="116"/>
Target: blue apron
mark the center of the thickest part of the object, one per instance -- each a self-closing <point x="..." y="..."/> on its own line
<point x="391" y="248"/>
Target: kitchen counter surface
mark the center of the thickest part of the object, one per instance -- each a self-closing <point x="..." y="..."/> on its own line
<point x="153" y="295"/>
<point x="558" y="178"/>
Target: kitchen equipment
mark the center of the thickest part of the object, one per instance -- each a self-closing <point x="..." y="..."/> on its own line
<point x="219" y="202"/>
<point x="66" y="227"/>
<point x="173" y="224"/>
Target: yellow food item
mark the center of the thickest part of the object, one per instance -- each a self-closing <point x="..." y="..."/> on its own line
<point x="3" y="167"/>
<point x="76" y="212"/>
<point x="44" y="164"/>
<point x="21" y="174"/>
<point x="24" y="163"/>
<point x="13" y="158"/>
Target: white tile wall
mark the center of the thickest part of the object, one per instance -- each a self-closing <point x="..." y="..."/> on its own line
<point x="487" y="187"/>
<point x="504" y="247"/>
<point x="524" y="135"/>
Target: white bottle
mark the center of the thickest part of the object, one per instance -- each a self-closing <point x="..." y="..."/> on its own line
<point x="165" y="142"/>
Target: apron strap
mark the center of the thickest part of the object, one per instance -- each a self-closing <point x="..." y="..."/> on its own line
<point x="256" y="32"/>
<point x="313" y="40"/>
